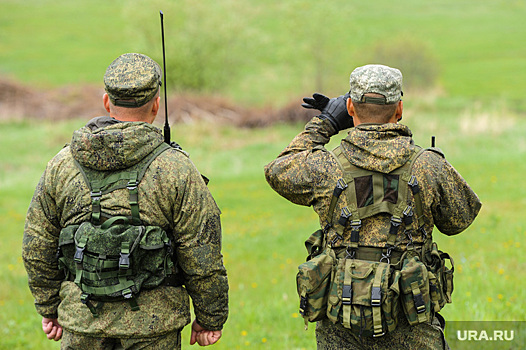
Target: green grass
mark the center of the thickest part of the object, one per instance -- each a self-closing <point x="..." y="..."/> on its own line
<point x="478" y="121"/>
<point x="278" y="49"/>
<point x="264" y="234"/>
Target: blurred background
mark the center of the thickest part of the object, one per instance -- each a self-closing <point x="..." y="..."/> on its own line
<point x="236" y="73"/>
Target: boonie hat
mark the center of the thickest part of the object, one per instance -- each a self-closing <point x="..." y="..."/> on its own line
<point x="379" y="79"/>
<point x="132" y="80"/>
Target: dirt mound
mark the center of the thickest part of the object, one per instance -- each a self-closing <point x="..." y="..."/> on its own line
<point x="20" y="101"/>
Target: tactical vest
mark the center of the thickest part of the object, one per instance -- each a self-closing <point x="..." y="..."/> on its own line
<point x="367" y="289"/>
<point x="112" y="258"/>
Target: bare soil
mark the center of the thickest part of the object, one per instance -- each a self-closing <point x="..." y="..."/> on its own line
<point x="21" y="101"/>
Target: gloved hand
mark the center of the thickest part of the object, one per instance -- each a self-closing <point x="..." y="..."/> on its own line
<point x="334" y="109"/>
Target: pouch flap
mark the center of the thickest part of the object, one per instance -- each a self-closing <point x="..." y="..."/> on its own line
<point x="108" y="241"/>
<point x="67" y="234"/>
<point x="154" y="238"/>
<point x="313" y="272"/>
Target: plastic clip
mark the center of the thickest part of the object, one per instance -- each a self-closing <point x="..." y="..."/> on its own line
<point x="376" y="296"/>
<point x="347" y="294"/>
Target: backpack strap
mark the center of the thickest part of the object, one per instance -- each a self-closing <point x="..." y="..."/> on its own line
<point x="101" y="183"/>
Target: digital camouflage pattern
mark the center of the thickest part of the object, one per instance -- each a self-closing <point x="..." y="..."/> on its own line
<point x="330" y="336"/>
<point x="72" y="341"/>
<point x="376" y="78"/>
<point x="132" y="76"/>
<point x="306" y="174"/>
<point x="172" y="195"/>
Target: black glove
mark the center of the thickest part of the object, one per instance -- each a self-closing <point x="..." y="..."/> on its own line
<point x="317" y="101"/>
<point x="334" y="109"/>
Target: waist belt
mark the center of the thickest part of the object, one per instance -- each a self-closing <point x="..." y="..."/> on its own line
<point x="172" y="280"/>
<point x="372" y="254"/>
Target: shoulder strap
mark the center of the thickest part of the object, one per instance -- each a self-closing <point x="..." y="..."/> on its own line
<point x="103" y="182"/>
<point x="400" y="211"/>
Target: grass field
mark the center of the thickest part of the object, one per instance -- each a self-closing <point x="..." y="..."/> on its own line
<point x="279" y="49"/>
<point x="264" y="234"/>
<point x="477" y="117"/>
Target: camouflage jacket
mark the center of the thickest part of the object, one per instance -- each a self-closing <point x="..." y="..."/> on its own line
<point x="306" y="174"/>
<point x="172" y="195"/>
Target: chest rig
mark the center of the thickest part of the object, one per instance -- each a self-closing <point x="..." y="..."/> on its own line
<point x="370" y="193"/>
<point x="365" y="288"/>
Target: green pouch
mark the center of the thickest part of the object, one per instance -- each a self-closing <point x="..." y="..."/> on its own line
<point x="364" y="297"/>
<point x="391" y="305"/>
<point x="108" y="261"/>
<point x="440" y="276"/>
<point x="314" y="244"/>
<point x="414" y="287"/>
<point x="313" y="282"/>
<point x="369" y="285"/>
<point x="335" y="293"/>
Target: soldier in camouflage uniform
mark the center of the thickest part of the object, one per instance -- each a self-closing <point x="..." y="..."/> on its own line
<point x="306" y="173"/>
<point x="172" y="195"/>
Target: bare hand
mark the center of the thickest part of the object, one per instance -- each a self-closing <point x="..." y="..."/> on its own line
<point x="52" y="329"/>
<point x="203" y="336"/>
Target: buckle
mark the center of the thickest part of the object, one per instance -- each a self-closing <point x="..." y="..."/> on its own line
<point x="79" y="255"/>
<point x="347" y="294"/>
<point x="344" y="217"/>
<point x="396" y="221"/>
<point x="376" y="296"/>
<point x="96" y="195"/>
<point x="413" y="181"/>
<point x="127" y="293"/>
<point x="336" y="238"/>
<point x="387" y="255"/>
<point x="351" y="254"/>
<point x="356" y="224"/>
<point x="340" y="186"/>
<point x="124" y="261"/>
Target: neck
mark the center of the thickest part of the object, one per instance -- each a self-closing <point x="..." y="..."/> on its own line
<point x="131" y="118"/>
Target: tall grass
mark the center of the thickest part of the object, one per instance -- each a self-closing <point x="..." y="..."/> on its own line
<point x="264" y="234"/>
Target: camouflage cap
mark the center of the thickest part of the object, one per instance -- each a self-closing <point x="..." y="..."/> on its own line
<point x="379" y="79"/>
<point x="132" y="80"/>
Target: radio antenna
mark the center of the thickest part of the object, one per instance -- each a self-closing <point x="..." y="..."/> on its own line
<point x="166" y="125"/>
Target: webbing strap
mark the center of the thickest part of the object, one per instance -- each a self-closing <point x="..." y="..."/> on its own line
<point x="124" y="260"/>
<point x="109" y="183"/>
<point x="340" y="186"/>
<point x="415" y="189"/>
<point x="85" y="299"/>
<point x="96" y="195"/>
<point x="101" y="263"/>
<point x="347" y="294"/>
<point x="134" y="197"/>
<point x="107" y="290"/>
<point x="376" y="300"/>
<point x="418" y="300"/>
<point x="93" y="276"/>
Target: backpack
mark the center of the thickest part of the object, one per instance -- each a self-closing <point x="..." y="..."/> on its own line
<point x="366" y="289"/>
<point x="112" y="258"/>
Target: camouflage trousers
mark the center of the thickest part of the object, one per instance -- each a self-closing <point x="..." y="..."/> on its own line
<point x="73" y="341"/>
<point x="330" y="336"/>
